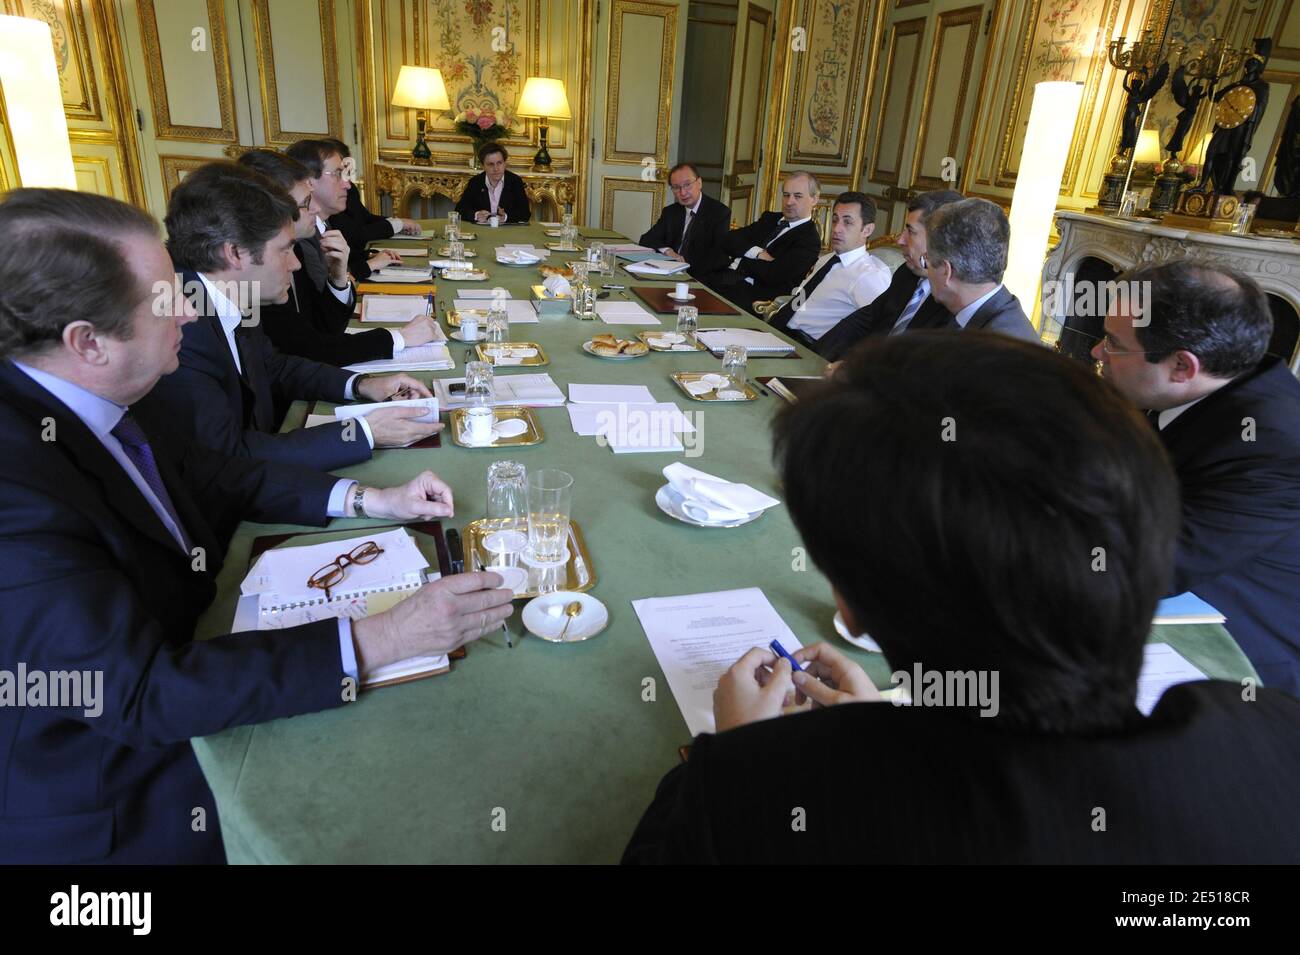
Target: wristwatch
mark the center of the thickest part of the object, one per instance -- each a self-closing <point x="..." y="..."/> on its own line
<point x="358" y="501"/>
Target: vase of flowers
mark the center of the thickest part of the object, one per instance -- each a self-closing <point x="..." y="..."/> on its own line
<point x="482" y="127"/>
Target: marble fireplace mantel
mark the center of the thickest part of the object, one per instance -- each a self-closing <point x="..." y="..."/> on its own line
<point x="1124" y="243"/>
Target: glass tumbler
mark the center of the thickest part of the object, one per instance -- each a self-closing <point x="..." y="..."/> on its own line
<point x="550" y="498"/>
<point x="688" y="319"/>
<point x="507" y="510"/>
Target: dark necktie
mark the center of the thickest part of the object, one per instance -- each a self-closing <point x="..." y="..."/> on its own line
<point x="681" y="243"/>
<point x="787" y="312"/>
<point x="138" y="452"/>
<point x="313" y="260"/>
<point x="785" y="223"/>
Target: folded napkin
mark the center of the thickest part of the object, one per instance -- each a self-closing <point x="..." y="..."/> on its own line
<point x="709" y="498"/>
<point x="557" y="285"/>
<point x="517" y="257"/>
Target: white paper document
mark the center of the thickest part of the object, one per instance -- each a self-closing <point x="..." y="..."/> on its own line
<point x="405" y="252"/>
<point x="432" y="356"/>
<point x="589" y="420"/>
<point x="517" y="312"/>
<point x="717" y="339"/>
<point x="1162" y="667"/>
<point x="610" y="395"/>
<point x="487" y="293"/>
<point x="398" y="309"/>
<point x="522" y="391"/>
<point x="430" y="406"/>
<point x="655" y="268"/>
<point x="281" y="574"/>
<point x="624" y="313"/>
<point x="697" y="637"/>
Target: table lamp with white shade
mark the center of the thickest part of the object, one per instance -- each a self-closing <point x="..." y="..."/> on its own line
<point x="29" y="81"/>
<point x="420" y="88"/>
<point x="543" y="98"/>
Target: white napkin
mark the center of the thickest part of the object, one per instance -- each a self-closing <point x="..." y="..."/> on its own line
<point x="517" y="256"/>
<point x="709" y="498"/>
<point x="557" y="285"/>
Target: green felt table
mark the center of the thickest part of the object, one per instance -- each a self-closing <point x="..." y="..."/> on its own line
<point x="558" y="742"/>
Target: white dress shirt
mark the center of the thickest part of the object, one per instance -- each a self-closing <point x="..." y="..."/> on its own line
<point x="857" y="280"/>
<point x="1166" y="417"/>
<point x="229" y="315"/>
<point x="754" y="250"/>
<point x="101" y="416"/>
<point x="494" y="194"/>
<point x="967" y="313"/>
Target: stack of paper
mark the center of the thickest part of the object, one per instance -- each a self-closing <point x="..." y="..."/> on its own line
<point x="1162" y="667"/>
<point x="519" y="391"/>
<point x="429" y="357"/>
<point x="657" y="268"/>
<point x="276" y="595"/>
<point x="624" y="313"/>
<point x="755" y="341"/>
<point x="400" y="273"/>
<point x="488" y="293"/>
<point x="632" y="428"/>
<point x="430" y="406"/>
<point x="395" y="309"/>
<point x="1186" y="608"/>
<point x="621" y="247"/>
<point x="520" y="312"/>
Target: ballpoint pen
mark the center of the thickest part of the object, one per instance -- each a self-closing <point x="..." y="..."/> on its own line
<point x="780" y="652"/>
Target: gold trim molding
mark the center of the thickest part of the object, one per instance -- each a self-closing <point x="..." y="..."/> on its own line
<point x="897" y="31"/>
<point x="667" y="58"/>
<point x="612" y="185"/>
<point x="163" y="126"/>
<point x="948" y="20"/>
<point x="276" y="134"/>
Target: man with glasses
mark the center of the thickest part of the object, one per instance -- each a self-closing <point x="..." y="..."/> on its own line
<point x="329" y="189"/>
<point x="358" y="224"/>
<point x="693" y="228"/>
<point x="1188" y="345"/>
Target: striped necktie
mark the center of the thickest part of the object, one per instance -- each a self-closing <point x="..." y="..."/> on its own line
<point x="913" y="306"/>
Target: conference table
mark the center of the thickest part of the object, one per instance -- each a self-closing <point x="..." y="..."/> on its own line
<point x="542" y="752"/>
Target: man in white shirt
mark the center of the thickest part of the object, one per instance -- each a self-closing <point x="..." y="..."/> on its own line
<point x="845" y="279"/>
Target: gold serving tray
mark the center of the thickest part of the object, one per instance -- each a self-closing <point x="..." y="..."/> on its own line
<point x="537" y="360"/>
<point x="445" y="253"/>
<point x="578" y="574"/>
<point x="534" y="435"/>
<point x="647" y="336"/>
<point x="682" y="377"/>
<point x="560" y="247"/>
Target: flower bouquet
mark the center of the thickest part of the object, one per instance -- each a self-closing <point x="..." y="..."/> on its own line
<point x="481" y="126"/>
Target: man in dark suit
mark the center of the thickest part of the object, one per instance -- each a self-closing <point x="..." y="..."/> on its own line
<point x="331" y="171"/>
<point x="1188" y="345"/>
<point x="694" y="228"/>
<point x="358" y="224"/>
<point x="110" y="552"/>
<point x="230" y="231"/>
<point x="966" y="255"/>
<point x="771" y="255"/>
<point x="496" y="191"/>
<point x="908" y="295"/>
<point x="978" y="580"/>
<point x="312" y="323"/>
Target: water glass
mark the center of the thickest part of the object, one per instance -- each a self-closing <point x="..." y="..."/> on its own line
<point x="688" y="318"/>
<point x="452" y="229"/>
<point x="607" y="262"/>
<point x="568" y="237"/>
<point x="479" y="387"/>
<point x="734" y="364"/>
<point x="566" y="220"/>
<point x="595" y="253"/>
<point x="458" y="253"/>
<point x="507" y="508"/>
<point x="550" y="497"/>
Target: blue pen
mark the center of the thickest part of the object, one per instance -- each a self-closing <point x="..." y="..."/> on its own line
<point x="780" y="652"/>
<point x="428" y="307"/>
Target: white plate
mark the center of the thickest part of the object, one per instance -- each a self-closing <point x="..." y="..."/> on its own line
<point x="670" y="502"/>
<point x="586" y="346"/>
<point x="544" y="617"/>
<point x="511" y="264"/>
<point x="862" y="641"/>
<point x="681" y="298"/>
<point x="513" y="578"/>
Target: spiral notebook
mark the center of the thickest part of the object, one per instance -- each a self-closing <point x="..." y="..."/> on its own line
<point x="275" y="595"/>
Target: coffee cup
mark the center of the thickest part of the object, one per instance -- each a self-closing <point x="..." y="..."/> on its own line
<point x="683" y="289"/>
<point x="478" y="425"/>
<point x="469" y="328"/>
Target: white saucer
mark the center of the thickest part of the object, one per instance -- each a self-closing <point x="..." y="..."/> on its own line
<point x="681" y="298"/>
<point x="464" y="275"/>
<point x="670" y="502"/>
<point x="513" y="578"/>
<point x="511" y="428"/>
<point x="862" y="641"/>
<point x="461" y="338"/>
<point x="544" y="617"/>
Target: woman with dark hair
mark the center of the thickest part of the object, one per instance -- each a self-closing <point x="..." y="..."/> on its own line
<point x="496" y="191"/>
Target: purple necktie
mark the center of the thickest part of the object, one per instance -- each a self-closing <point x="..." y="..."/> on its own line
<point x="137" y="449"/>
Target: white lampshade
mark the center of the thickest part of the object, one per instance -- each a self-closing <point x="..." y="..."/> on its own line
<point x="544" y="97"/>
<point x="1148" y="147"/>
<point x="419" y="87"/>
<point x="1038" y="185"/>
<point x="34" y="100"/>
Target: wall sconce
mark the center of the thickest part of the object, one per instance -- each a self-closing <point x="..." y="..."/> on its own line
<point x="543" y="98"/>
<point x="1038" y="186"/>
<point x="420" y="88"/>
<point x="34" y="100"/>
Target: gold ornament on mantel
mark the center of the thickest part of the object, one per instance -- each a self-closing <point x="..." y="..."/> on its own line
<point x="1145" y="72"/>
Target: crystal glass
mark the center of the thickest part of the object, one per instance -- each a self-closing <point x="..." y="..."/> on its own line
<point x="607" y="262"/>
<point x="458" y="253"/>
<point x="480" y="401"/>
<point x="498" y="325"/>
<point x="507" y="508"/>
<point x="595" y="252"/>
<point x="688" y="319"/>
<point x="566" y="220"/>
<point x="568" y="236"/>
<point x="452" y="229"/>
<point x="734" y="364"/>
<point x="550" y="497"/>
